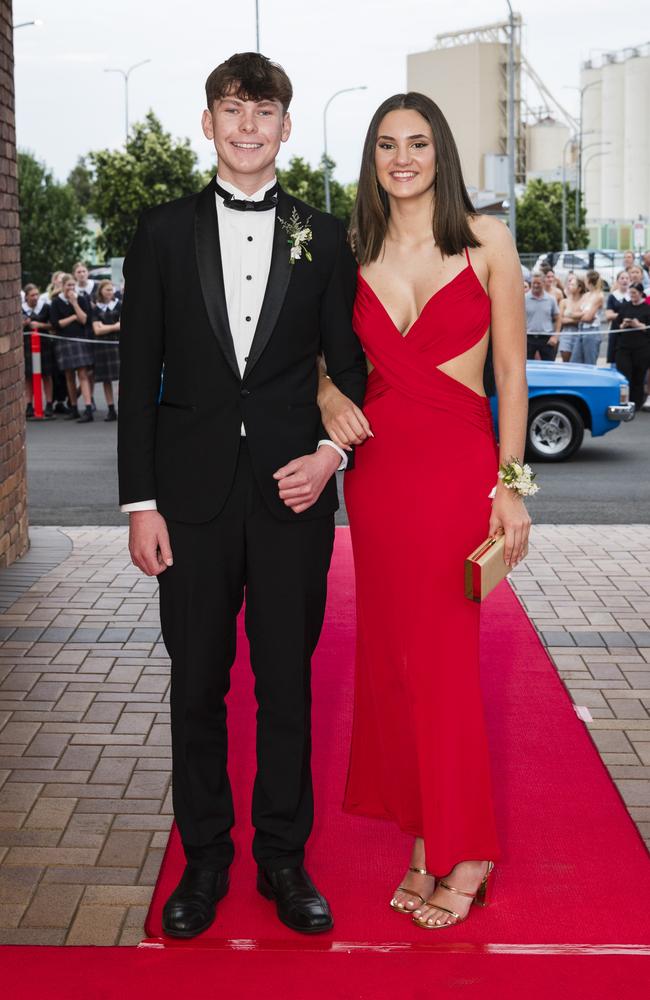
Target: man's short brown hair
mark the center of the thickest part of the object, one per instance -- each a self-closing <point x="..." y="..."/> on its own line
<point x="249" y="76"/>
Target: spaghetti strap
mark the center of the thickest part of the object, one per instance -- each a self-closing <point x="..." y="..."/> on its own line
<point x="467" y="255"/>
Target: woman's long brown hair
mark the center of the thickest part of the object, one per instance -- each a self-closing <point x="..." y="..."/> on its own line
<point x="451" y="230"/>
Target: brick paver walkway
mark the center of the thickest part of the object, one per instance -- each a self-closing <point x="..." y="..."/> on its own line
<point x="84" y="748"/>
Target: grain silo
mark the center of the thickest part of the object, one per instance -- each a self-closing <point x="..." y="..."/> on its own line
<point x="616" y="125"/>
<point x="547" y="145"/>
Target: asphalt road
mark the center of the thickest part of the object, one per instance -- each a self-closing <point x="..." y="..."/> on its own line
<point x="72" y="478"/>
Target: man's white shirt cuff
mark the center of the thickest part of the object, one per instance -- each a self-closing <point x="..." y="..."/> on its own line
<point x="344" y="457"/>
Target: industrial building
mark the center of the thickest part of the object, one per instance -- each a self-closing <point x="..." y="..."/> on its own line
<point x="465" y="73"/>
<point x="616" y="176"/>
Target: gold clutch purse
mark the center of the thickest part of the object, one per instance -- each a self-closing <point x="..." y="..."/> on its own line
<point x="485" y="568"/>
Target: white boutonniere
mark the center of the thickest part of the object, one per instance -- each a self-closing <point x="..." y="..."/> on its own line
<point x="299" y="234"/>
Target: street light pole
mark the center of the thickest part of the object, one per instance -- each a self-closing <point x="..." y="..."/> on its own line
<point x="126" y="74"/>
<point x="26" y="24"/>
<point x="594" y="83"/>
<point x="589" y="159"/>
<point x="257" y="25"/>
<point x="572" y="138"/>
<point x="512" y="207"/>
<point x="326" y="169"/>
<point x="591" y="146"/>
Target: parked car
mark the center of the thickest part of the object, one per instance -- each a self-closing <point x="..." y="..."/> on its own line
<point x="607" y="262"/>
<point x="563" y="400"/>
<point x="101" y="272"/>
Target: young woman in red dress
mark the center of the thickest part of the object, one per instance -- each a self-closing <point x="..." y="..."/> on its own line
<point x="436" y="283"/>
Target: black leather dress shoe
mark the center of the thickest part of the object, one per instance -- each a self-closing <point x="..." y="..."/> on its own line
<point x="192" y="906"/>
<point x="299" y="903"/>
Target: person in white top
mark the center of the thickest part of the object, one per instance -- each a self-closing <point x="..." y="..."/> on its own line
<point x="230" y="297"/>
<point x="84" y="284"/>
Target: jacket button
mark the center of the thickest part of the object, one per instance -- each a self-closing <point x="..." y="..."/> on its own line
<point x="245" y="392"/>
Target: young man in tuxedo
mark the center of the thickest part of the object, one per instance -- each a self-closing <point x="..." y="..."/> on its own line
<point x="228" y="476"/>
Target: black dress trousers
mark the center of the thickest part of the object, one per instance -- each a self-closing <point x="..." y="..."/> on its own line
<point x="281" y="567"/>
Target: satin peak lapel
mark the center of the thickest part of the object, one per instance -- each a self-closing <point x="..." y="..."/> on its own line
<point x="276" y="286"/>
<point x="208" y="262"/>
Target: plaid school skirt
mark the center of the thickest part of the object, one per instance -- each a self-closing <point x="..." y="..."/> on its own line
<point x="73" y="353"/>
<point x="107" y="359"/>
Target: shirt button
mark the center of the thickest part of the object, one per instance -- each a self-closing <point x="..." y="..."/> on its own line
<point x="250" y="239"/>
<point x="245" y="392"/>
<point x="248" y="319"/>
<point x="248" y="277"/>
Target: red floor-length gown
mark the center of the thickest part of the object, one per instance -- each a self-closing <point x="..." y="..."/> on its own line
<point x="418" y="504"/>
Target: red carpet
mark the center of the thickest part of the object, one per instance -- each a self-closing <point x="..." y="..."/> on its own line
<point x="575" y="870"/>
<point x="169" y="974"/>
<point x="570" y="916"/>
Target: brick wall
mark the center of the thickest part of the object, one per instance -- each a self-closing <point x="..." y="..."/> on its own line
<point x="13" y="477"/>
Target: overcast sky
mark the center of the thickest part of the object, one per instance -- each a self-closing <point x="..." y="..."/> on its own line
<point x="67" y="105"/>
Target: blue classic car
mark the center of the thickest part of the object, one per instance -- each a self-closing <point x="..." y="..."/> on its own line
<point x="565" y="398"/>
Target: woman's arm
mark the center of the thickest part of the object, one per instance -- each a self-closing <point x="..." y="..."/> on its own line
<point x="589" y="313"/>
<point x="80" y="314"/>
<point x="508" y="326"/>
<point x="343" y="420"/>
<point x="67" y="320"/>
<point x="101" y="329"/>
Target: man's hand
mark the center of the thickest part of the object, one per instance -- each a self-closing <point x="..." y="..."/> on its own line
<point x="149" y="541"/>
<point x="302" y="481"/>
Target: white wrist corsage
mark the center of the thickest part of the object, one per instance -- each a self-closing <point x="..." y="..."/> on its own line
<point x="299" y="235"/>
<point x="519" y="478"/>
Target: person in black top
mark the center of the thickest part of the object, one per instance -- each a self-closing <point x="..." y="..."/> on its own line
<point x="618" y="295"/>
<point x="36" y="318"/>
<point x="633" y="342"/>
<point x="69" y="315"/>
<point x="106" y="325"/>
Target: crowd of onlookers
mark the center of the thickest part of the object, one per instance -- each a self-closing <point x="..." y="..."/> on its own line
<point x="78" y="321"/>
<point x="581" y="321"/>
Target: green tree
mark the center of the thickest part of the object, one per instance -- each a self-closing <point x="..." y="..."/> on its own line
<point x="539" y="218"/>
<point x="82" y="182"/>
<point x="52" y="230"/>
<point x="302" y="181"/>
<point x="152" y="169"/>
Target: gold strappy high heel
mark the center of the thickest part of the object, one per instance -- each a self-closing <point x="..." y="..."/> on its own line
<point x="479" y="898"/>
<point x="410" y="892"/>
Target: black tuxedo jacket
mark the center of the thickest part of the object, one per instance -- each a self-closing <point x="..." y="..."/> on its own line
<point x="180" y="446"/>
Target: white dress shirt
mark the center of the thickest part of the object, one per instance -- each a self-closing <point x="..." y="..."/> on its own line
<point x="246" y="241"/>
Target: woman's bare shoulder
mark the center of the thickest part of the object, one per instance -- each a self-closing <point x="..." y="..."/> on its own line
<point x="492" y="232"/>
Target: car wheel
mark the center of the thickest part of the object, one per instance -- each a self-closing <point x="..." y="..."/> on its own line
<point x="555" y="430"/>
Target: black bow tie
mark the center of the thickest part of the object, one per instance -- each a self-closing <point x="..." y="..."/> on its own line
<point x="270" y="200"/>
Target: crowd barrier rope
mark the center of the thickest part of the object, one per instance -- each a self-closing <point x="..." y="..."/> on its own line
<point x="530" y="333"/>
<point x="78" y="340"/>
<point x="37" y="370"/>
